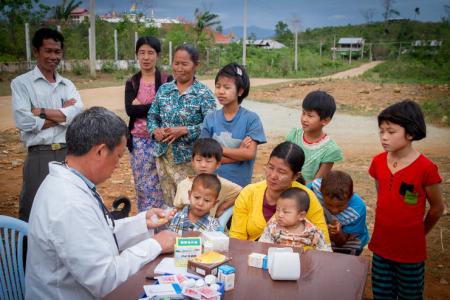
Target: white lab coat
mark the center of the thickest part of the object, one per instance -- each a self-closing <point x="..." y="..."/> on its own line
<point x="71" y="249"/>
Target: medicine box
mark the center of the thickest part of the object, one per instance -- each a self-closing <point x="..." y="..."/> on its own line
<point x="227" y="275"/>
<point x="186" y="248"/>
<point x="257" y="260"/>
<point x="207" y="263"/>
<point x="220" y="242"/>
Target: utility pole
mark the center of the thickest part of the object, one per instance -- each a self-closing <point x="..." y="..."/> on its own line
<point x="27" y="44"/>
<point x="334" y="48"/>
<point x="170" y="53"/>
<point x="350" y="55"/>
<point x="136" y="37"/>
<point x="116" y="50"/>
<point x="296" y="26"/>
<point x="321" y="48"/>
<point x="244" y="38"/>
<point x="92" y="54"/>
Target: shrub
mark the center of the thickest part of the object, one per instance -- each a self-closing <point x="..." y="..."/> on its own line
<point x="108" y="67"/>
<point x="79" y="68"/>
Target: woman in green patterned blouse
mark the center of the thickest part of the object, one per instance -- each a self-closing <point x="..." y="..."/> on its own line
<point x="175" y="119"/>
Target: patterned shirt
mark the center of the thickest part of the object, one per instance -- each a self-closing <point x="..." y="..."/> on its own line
<point x="181" y="222"/>
<point x="170" y="109"/>
<point x="310" y="236"/>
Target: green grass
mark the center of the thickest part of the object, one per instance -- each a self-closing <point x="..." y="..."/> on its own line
<point x="410" y="70"/>
<point x="437" y="111"/>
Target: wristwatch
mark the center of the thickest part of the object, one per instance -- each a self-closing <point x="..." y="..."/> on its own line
<point x="42" y="115"/>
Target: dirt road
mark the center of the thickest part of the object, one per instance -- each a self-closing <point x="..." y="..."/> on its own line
<point x="112" y="97"/>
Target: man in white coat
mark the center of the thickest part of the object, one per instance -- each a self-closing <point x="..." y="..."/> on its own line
<point x="75" y="249"/>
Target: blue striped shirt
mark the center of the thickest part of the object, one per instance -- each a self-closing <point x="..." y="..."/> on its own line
<point x="353" y="218"/>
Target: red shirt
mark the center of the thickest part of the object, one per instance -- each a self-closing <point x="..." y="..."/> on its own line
<point x="399" y="231"/>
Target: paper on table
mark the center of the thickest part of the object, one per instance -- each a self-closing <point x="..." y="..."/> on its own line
<point x="167" y="266"/>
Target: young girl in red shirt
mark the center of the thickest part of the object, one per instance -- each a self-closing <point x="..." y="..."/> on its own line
<point x="405" y="179"/>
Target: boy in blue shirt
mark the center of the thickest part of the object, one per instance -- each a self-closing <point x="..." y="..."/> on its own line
<point x="345" y="212"/>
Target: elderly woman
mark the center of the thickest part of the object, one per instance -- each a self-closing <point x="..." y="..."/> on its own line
<point x="257" y="202"/>
<point x="140" y="91"/>
<point x="175" y="119"/>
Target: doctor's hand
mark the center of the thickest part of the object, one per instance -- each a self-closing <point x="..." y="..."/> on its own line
<point x="166" y="239"/>
<point x="157" y="217"/>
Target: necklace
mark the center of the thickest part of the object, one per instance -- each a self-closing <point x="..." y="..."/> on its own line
<point x="395" y="164"/>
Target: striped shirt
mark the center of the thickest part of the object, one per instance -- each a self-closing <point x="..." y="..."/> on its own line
<point x="181" y="223"/>
<point x="352" y="219"/>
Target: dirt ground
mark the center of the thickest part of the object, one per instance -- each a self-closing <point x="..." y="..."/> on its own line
<point x="351" y="95"/>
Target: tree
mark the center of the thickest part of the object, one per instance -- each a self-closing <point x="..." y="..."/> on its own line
<point x="16" y="13"/>
<point x="446" y="18"/>
<point x="389" y="10"/>
<point x="417" y="11"/>
<point x="203" y="20"/>
<point x="368" y="14"/>
<point x="282" y="33"/>
<point x="62" y="11"/>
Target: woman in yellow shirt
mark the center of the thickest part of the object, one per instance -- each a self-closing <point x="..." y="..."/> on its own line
<point x="257" y="202"/>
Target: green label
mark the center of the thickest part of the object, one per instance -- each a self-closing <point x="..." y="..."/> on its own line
<point x="411" y="198"/>
<point x="189" y="242"/>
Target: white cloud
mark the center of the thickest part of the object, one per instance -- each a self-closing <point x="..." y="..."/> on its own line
<point x="338" y="17"/>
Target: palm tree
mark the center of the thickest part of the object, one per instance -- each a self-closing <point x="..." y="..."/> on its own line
<point x="62" y="11"/>
<point x="417" y="11"/>
<point x="203" y="20"/>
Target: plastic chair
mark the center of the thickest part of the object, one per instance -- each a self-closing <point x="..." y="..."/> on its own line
<point x="12" y="273"/>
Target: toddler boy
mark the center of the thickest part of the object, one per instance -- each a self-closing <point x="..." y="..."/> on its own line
<point x="345" y="212"/>
<point x="196" y="216"/>
<point x="206" y="157"/>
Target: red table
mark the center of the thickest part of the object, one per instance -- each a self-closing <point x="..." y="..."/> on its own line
<point x="323" y="276"/>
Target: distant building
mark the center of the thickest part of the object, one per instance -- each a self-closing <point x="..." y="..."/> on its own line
<point x="265" y="44"/>
<point x="223" y="39"/>
<point x="134" y="15"/>
<point x="345" y="46"/>
<point x="78" y="15"/>
<point x="424" y="43"/>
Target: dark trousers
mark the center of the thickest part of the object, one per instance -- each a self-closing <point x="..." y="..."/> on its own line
<point x="35" y="169"/>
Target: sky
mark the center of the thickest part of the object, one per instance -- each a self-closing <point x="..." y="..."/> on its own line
<point x="266" y="13"/>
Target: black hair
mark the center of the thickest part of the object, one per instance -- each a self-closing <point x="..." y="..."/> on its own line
<point x="408" y="115"/>
<point x="207" y="147"/>
<point x="293" y="155"/>
<point x="148" y="40"/>
<point x="337" y="185"/>
<point x="320" y="102"/>
<point x="189" y="48"/>
<point x="46" y="33"/>
<point x="240" y="77"/>
<point x="208" y="181"/>
<point x="92" y="127"/>
<point x="300" y="196"/>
